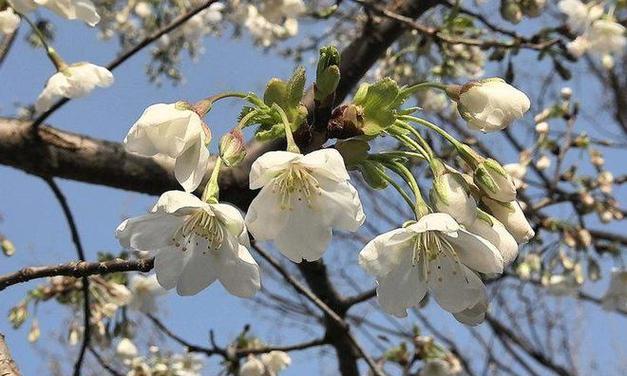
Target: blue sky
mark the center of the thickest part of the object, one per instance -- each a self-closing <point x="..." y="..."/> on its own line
<point x="34" y="222"/>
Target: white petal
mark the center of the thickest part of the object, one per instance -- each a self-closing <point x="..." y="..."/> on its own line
<point x="169" y="263"/>
<point x="200" y="270"/>
<point x="268" y="166"/>
<point x="178" y="202"/>
<point x="148" y="232"/>
<point x="340" y="205"/>
<point x="453" y="285"/>
<point x="55" y="89"/>
<point x="304" y="237"/>
<point x="265" y="218"/>
<point x="435" y="222"/>
<point x="239" y="273"/>
<point x="326" y="162"/>
<point x="384" y="253"/>
<point x="231" y="217"/>
<point x="191" y="166"/>
<point x="498" y="235"/>
<point x="474" y="315"/>
<point x="402" y="287"/>
<point x="477" y="253"/>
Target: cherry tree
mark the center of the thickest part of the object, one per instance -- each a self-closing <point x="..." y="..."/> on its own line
<point x="426" y="192"/>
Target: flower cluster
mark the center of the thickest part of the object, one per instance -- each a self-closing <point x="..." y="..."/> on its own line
<point x="269" y="364"/>
<point x="597" y="33"/>
<point x="157" y="362"/>
<point x="273" y="20"/>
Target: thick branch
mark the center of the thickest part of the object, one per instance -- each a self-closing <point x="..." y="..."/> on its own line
<point x="7" y="365"/>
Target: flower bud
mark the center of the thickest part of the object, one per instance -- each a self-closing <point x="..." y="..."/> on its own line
<point x="532" y="8"/>
<point x="495" y="232"/>
<point x="511" y="11"/>
<point x="566" y="93"/>
<point x="543" y="163"/>
<point x="7" y="246"/>
<point x="542" y="127"/>
<point x="232" y="148"/>
<point x="517" y="172"/>
<point x="126" y="350"/>
<point x="491" y="104"/>
<point x="512" y="217"/>
<point x="34" y="332"/>
<point x="449" y="195"/>
<point x="494" y="181"/>
<point x="18" y="314"/>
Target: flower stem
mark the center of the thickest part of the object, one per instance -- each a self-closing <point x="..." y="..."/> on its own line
<point x="426" y="85"/>
<point x="202" y="107"/>
<point x="420" y="207"/>
<point x="289" y="137"/>
<point x="433" y="127"/>
<point x="244" y="120"/>
<point x="212" y="189"/>
<point x="58" y="62"/>
<point x="400" y="190"/>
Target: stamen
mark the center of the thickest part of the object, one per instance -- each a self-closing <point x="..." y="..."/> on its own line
<point x="296" y="180"/>
<point x="199" y="224"/>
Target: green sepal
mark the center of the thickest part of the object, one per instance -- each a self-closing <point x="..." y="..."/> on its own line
<point x="378" y="101"/>
<point x="373" y="173"/>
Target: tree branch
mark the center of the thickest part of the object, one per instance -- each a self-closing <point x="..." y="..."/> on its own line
<point x="7" y="365"/>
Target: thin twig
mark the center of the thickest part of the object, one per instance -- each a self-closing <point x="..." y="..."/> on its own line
<point x="102" y="362"/>
<point x="75" y="269"/>
<point x="128" y="54"/>
<point x="85" y="281"/>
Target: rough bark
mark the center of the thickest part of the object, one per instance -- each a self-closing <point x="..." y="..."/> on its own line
<point x="7" y="365"/>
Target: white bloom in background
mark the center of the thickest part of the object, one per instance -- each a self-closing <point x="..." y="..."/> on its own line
<point x="517" y="172"/>
<point x="512" y="217"/>
<point x="9" y="21"/>
<point x="605" y="180"/>
<point x="202" y="23"/>
<point x="449" y="195"/>
<point x="126" y="351"/>
<point x="607" y="37"/>
<point x="176" y="132"/>
<point x="275" y="362"/>
<point x="73" y="81"/>
<point x="275" y="19"/>
<point x="543" y="163"/>
<point x="490" y="105"/>
<point x="196" y="243"/>
<point x="578" y="46"/>
<point x="431" y="100"/>
<point x="496" y="234"/>
<point x="434" y="254"/>
<point x="615" y="299"/>
<point x="83" y="10"/>
<point x="580" y="15"/>
<point x="186" y="365"/>
<point x="252" y="367"/>
<point x="437" y="367"/>
<point x="143" y="9"/>
<point x="303" y="197"/>
<point x="561" y="284"/>
<point x="145" y="290"/>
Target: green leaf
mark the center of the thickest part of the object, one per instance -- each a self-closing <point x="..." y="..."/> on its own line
<point x="276" y="92"/>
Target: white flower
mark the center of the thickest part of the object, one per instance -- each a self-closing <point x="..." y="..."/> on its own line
<point x="126" y="350"/>
<point x="607" y="37"/>
<point x="143" y="9"/>
<point x="434" y="254"/>
<point x="176" y="132"/>
<point x="436" y="367"/>
<point x="275" y="362"/>
<point x="496" y="234"/>
<point x="449" y="195"/>
<point x="145" y="290"/>
<point x="512" y="217"/>
<point x="615" y="298"/>
<point x="490" y="105"/>
<point x="474" y="315"/>
<point x="561" y="284"/>
<point x="73" y="81"/>
<point x="196" y="243"/>
<point x="83" y="10"/>
<point x="186" y="365"/>
<point x="303" y="198"/>
<point x="578" y="46"/>
<point x="9" y="21"/>
<point x="494" y="181"/>
<point x="517" y="172"/>
<point x="543" y="163"/>
<point x="119" y="294"/>
<point x="252" y="367"/>
<point x="276" y="19"/>
<point x="580" y="15"/>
